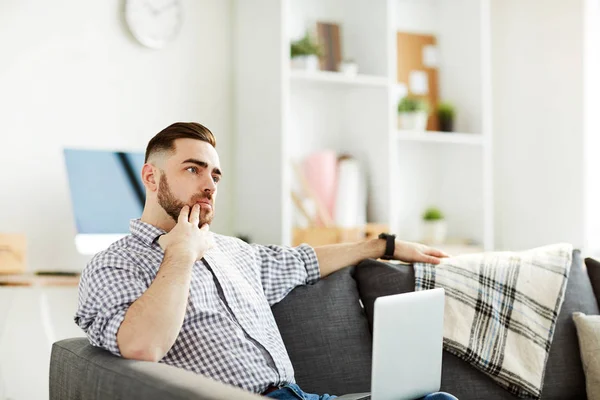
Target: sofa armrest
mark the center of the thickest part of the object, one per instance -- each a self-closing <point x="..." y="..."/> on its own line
<point x="81" y="371"/>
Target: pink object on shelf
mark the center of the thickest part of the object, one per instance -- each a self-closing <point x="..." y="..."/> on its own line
<point x="320" y="169"/>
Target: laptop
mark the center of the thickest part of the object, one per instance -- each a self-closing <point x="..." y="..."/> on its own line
<point x="407" y="346"/>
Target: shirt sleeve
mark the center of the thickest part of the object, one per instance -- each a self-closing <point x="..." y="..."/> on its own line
<point x="108" y="286"/>
<point x="282" y="268"/>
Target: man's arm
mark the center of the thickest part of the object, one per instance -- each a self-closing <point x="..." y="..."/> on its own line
<point x="282" y="268"/>
<point x="337" y="256"/>
<point x="152" y="323"/>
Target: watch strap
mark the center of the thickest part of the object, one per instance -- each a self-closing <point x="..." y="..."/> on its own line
<point x="390" y="244"/>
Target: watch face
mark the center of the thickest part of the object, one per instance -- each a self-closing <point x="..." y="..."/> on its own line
<point x="154" y="23"/>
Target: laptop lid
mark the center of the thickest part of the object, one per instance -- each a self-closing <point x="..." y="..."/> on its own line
<point x="407" y="345"/>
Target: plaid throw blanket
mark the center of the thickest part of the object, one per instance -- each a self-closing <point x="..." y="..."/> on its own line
<point x="501" y="310"/>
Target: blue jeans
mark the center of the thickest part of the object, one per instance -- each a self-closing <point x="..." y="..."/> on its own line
<point x="293" y="392"/>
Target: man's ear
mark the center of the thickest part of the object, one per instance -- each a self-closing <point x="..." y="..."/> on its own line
<point x="150" y="177"/>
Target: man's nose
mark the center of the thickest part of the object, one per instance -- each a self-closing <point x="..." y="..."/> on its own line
<point x="209" y="185"/>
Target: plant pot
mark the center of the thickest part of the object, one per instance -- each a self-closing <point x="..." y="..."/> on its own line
<point x="434" y="232"/>
<point x="414" y="121"/>
<point x="348" y="68"/>
<point x="446" y="125"/>
<point x="306" y="63"/>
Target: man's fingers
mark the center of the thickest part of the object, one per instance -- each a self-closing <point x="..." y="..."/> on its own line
<point x="432" y="260"/>
<point x="436" y="253"/>
<point x="184" y="214"/>
<point x="205" y="227"/>
<point x="195" y="214"/>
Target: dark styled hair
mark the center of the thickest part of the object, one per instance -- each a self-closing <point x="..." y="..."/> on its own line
<point x="163" y="140"/>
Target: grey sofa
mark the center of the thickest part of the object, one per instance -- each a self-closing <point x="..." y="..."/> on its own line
<point x="327" y="332"/>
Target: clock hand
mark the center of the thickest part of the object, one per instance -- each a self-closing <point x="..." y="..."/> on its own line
<point x="152" y="9"/>
<point x="163" y="8"/>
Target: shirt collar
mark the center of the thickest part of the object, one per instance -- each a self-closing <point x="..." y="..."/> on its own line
<point x="144" y="231"/>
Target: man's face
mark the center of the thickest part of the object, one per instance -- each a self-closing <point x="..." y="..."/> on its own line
<point x="190" y="176"/>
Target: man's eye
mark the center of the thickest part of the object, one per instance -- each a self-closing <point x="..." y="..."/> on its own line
<point x="216" y="179"/>
<point x="193" y="170"/>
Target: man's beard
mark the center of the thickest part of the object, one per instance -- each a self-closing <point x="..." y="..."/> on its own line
<point x="173" y="206"/>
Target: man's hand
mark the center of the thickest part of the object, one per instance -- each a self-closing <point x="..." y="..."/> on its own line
<point x="416" y="252"/>
<point x="186" y="236"/>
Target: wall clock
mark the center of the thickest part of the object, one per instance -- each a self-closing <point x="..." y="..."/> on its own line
<point x="154" y="23"/>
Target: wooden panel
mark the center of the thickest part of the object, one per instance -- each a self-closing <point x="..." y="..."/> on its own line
<point x="410" y="58"/>
<point x="12" y="253"/>
<point x="328" y="36"/>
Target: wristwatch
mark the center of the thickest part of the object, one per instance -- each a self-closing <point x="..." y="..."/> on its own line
<point x="390" y="244"/>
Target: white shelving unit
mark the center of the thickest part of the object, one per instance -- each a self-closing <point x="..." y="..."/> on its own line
<point x="441" y="137"/>
<point x="282" y="115"/>
<point x="337" y="78"/>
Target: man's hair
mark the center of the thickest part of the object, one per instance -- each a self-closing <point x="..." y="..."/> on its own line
<point x="163" y="140"/>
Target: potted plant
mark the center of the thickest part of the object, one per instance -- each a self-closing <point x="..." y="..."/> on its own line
<point x="412" y="113"/>
<point x="446" y="114"/>
<point x="305" y="53"/>
<point x="434" y="226"/>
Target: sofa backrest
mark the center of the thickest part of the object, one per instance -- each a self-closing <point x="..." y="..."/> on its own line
<point x="327" y="336"/>
<point x="564" y="377"/>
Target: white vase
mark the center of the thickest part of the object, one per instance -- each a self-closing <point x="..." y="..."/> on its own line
<point x="306" y="63"/>
<point x="434" y="232"/>
<point x="348" y="68"/>
<point x="413" y="121"/>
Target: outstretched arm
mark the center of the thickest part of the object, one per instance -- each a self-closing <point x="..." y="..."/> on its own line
<point x="337" y="256"/>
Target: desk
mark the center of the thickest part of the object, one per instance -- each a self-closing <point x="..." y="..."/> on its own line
<point x="37" y="281"/>
<point x="35" y="311"/>
<point x="31" y="279"/>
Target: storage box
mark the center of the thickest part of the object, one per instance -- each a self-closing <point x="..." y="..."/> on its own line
<point x="319" y="236"/>
<point x="12" y="253"/>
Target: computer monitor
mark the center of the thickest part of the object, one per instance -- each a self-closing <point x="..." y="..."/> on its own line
<point x="106" y="192"/>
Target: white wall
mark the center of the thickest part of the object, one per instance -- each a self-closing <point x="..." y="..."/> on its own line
<point x="71" y="75"/>
<point x="417" y="16"/>
<point x="538" y="122"/>
<point x="260" y="141"/>
<point x="591" y="89"/>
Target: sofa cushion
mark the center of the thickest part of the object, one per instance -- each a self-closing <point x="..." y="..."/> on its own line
<point x="564" y="377"/>
<point x="375" y="279"/>
<point x="588" y="332"/>
<point x="593" y="270"/>
<point x="327" y="336"/>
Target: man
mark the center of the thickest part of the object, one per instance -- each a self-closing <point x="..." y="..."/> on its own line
<point x="174" y="292"/>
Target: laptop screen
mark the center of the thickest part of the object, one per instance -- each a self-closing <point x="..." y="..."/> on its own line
<point x="106" y="189"/>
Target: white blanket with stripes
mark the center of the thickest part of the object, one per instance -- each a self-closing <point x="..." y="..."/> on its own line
<point x="501" y="310"/>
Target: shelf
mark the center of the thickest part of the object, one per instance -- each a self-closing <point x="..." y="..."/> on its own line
<point x="338" y="78"/>
<point x="441" y="137"/>
<point x="456" y="246"/>
<point x="458" y="249"/>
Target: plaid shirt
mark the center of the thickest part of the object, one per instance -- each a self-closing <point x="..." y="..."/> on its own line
<point x="229" y="332"/>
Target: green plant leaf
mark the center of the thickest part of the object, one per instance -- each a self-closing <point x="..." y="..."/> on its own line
<point x="412" y="104"/>
<point x="433" y="214"/>
<point x="445" y="111"/>
<point x="305" y="47"/>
